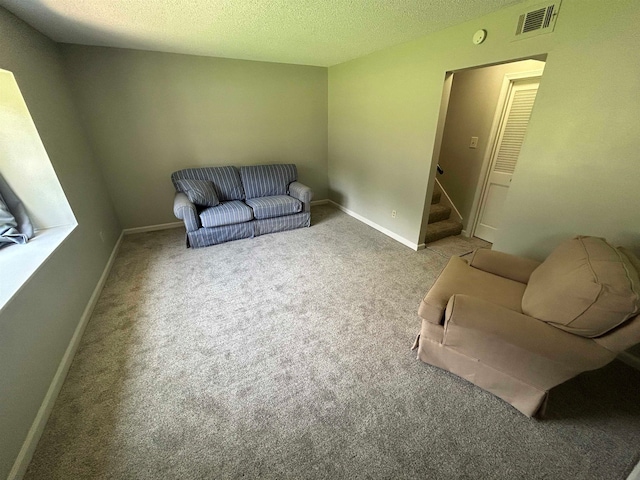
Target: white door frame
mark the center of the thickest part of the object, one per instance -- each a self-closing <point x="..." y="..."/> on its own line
<point x="442" y="116"/>
<point x="485" y="170"/>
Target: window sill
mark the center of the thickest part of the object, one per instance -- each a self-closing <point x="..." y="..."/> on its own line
<point x="18" y="263"/>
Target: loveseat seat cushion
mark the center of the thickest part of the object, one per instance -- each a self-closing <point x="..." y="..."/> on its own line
<point x="267" y="180"/>
<point x="586" y="287"/>
<point x="275" y="206"/>
<point x="227" y="213"/>
<point x="226" y="180"/>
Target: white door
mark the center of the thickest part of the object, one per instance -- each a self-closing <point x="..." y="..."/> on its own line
<point x="511" y="132"/>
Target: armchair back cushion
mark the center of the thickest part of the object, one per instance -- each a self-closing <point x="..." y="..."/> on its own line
<point x="226" y="181"/>
<point x="267" y="180"/>
<point x="586" y="287"/>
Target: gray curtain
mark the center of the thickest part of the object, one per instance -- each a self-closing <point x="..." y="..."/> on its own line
<point x="15" y="226"/>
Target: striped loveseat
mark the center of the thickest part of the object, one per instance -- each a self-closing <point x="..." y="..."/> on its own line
<point x="219" y="204"/>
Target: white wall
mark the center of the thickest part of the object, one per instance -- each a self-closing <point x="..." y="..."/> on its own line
<point x="577" y="171"/>
<point x="152" y="113"/>
<point x="37" y="324"/>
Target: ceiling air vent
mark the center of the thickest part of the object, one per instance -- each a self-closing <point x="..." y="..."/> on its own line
<point x="538" y="20"/>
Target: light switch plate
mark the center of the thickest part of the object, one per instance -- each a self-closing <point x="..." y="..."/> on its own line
<point x="474" y="142"/>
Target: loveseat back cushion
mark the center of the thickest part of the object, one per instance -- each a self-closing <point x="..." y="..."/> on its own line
<point x="586" y="287"/>
<point x="199" y="192"/>
<point x="226" y="180"/>
<point x="267" y="180"/>
<point x="275" y="206"/>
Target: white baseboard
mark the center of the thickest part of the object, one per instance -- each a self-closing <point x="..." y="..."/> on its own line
<point x="629" y="359"/>
<point x="37" y="427"/>
<point x="380" y="228"/>
<point x="152" y="228"/>
<point x="319" y="202"/>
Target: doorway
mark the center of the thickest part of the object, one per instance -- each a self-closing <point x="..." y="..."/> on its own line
<point x="483" y="119"/>
<point x="510" y="127"/>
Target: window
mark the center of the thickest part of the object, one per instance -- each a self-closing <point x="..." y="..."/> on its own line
<point x="26" y="167"/>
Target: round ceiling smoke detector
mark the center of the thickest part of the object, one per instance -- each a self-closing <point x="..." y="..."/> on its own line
<point x="479" y="36"/>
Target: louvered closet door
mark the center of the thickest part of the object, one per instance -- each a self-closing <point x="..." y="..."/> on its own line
<point x="512" y="130"/>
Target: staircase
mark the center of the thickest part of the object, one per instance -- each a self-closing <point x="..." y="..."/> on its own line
<point x="440" y="225"/>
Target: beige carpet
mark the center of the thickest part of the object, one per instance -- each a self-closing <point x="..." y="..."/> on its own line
<point x="457" y="245"/>
<point x="287" y="357"/>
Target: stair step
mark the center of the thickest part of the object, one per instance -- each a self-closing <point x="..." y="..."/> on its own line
<point x="442" y="229"/>
<point x="438" y="212"/>
<point x="435" y="198"/>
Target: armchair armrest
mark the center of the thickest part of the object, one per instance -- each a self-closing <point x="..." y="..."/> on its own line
<point x="302" y="193"/>
<point x="521" y="346"/>
<point x="186" y="211"/>
<point x="504" y="265"/>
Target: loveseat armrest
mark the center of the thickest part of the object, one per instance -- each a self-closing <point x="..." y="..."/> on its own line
<point x="503" y="264"/>
<point x="303" y="193"/>
<point x="186" y="211"/>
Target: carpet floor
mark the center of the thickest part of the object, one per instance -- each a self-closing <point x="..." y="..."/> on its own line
<point x="287" y="356"/>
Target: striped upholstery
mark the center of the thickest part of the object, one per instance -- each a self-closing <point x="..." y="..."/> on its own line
<point x="226" y="213"/>
<point x="302" y="193"/>
<point x="226" y="180"/>
<point x="276" y="206"/>
<point x="267" y="180"/>
<point x="280" y="224"/>
<point x="275" y="202"/>
<point x="200" y="192"/>
<point x="212" y="236"/>
<point x="185" y="210"/>
<point x="204" y="237"/>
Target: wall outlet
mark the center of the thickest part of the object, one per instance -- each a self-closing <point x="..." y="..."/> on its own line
<point x="393" y="214"/>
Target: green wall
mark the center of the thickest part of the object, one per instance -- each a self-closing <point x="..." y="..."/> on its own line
<point x="152" y="113"/>
<point x="576" y="170"/>
<point x="38" y="323"/>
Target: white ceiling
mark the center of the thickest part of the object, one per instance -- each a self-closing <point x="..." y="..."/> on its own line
<point x="308" y="32"/>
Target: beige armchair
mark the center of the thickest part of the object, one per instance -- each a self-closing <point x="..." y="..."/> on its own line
<point x="517" y="328"/>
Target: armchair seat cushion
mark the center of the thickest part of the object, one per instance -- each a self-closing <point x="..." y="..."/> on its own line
<point x="227" y="213"/>
<point x="459" y="277"/>
<point x="275" y="206"/>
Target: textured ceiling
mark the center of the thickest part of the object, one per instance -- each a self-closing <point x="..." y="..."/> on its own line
<point x="309" y="32"/>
